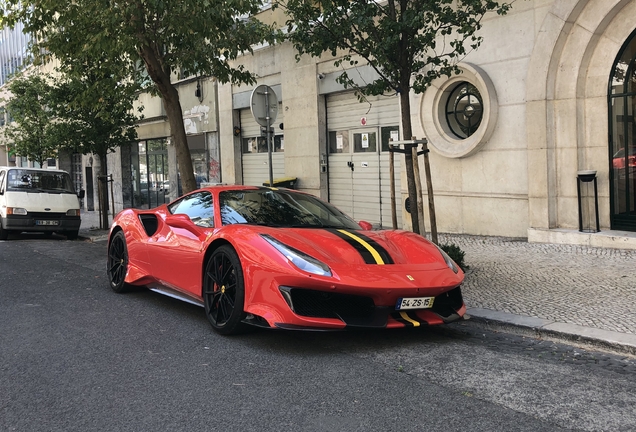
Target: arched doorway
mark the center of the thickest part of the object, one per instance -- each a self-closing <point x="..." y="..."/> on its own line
<point x="622" y="137"/>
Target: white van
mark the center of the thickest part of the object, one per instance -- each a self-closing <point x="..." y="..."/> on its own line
<point x="38" y="200"/>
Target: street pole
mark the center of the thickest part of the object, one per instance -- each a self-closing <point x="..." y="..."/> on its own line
<point x="269" y="139"/>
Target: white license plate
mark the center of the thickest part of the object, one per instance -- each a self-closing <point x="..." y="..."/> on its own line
<point x="46" y="222"/>
<point x="415" y="303"/>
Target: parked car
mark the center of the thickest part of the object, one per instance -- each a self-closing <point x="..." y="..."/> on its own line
<point x="279" y="258"/>
<point x="618" y="161"/>
<point x="39" y="200"/>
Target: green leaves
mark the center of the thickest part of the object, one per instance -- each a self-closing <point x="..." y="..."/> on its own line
<point x="407" y="42"/>
<point x="87" y="112"/>
<point x="33" y="132"/>
<point x="164" y="36"/>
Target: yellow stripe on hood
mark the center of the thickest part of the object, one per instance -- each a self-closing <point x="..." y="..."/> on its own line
<point x="367" y="246"/>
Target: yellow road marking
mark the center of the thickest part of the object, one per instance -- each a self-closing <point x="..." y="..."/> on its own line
<point x="367" y="246"/>
<point x="409" y="319"/>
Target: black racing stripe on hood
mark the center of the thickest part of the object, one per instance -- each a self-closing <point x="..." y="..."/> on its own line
<point x="379" y="249"/>
<point x="366" y="255"/>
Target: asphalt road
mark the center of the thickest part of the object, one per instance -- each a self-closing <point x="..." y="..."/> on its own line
<point x="75" y="356"/>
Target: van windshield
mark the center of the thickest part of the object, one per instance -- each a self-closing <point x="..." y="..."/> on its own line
<point x="39" y="181"/>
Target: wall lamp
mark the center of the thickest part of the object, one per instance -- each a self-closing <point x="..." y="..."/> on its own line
<point x="199" y="91"/>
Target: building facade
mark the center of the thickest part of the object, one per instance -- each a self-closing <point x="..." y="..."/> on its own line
<point x="145" y="174"/>
<point x="546" y="97"/>
<point x="543" y="104"/>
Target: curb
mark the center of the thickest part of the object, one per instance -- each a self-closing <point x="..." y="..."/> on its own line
<point x="623" y="343"/>
<point x="93" y="235"/>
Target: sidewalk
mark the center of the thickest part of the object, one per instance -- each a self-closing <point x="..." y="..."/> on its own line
<point x="90" y="227"/>
<point x="579" y="293"/>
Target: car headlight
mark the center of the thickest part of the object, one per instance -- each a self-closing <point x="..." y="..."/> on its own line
<point x="449" y="261"/>
<point x="16" y="211"/>
<point x="73" y="212"/>
<point x="299" y="259"/>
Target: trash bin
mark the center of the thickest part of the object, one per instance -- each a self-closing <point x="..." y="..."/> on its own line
<point x="284" y="182"/>
<point x="587" y="194"/>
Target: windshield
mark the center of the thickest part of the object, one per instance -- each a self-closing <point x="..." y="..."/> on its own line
<point x="280" y="208"/>
<point x="39" y="181"/>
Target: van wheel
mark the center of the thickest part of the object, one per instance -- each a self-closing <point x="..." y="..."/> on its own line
<point x="72" y="235"/>
<point x="4" y="234"/>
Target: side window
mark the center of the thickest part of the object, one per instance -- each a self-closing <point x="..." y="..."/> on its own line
<point x="198" y="206"/>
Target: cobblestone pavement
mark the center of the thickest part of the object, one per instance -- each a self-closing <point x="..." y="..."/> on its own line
<point x="580" y="285"/>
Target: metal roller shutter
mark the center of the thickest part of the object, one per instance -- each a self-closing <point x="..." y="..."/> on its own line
<point x="255" y="163"/>
<point x="359" y="182"/>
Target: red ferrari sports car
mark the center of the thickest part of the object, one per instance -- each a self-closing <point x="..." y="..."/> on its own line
<point x="279" y="258"/>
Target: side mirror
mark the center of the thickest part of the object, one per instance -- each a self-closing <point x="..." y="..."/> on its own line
<point x="81" y="194"/>
<point x="365" y="225"/>
<point x="183" y="221"/>
<point x="180" y="221"/>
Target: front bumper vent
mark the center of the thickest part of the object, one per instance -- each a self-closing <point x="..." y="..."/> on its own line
<point x="324" y="304"/>
<point x="448" y="303"/>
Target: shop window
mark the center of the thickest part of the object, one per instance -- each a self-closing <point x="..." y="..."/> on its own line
<point x="339" y="142"/>
<point x="259" y="144"/>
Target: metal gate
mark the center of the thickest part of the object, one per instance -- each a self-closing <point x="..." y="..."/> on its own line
<point x="254" y="156"/>
<point x="150" y="181"/>
<point x="359" y="135"/>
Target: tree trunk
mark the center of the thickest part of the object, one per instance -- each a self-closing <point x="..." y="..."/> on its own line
<point x="184" y="158"/>
<point x="405" y="109"/>
<point x="170" y="97"/>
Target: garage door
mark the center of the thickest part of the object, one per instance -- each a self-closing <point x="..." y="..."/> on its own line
<point x="254" y="156"/>
<point x="359" y="134"/>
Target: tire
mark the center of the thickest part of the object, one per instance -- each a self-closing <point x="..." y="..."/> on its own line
<point x="118" y="263"/>
<point x="4" y="234"/>
<point x="71" y="235"/>
<point x="224" y="291"/>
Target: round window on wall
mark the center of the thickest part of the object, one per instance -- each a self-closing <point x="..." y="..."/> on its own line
<point x="458" y="114"/>
<point x="464" y="110"/>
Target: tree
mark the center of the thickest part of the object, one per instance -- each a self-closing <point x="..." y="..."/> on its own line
<point x="409" y="43"/>
<point x="93" y="106"/>
<point x="155" y="38"/>
<point x="33" y="132"/>
<point x="87" y="111"/>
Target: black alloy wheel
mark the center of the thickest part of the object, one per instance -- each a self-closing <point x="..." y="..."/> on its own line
<point x="223" y="291"/>
<point x="118" y="263"/>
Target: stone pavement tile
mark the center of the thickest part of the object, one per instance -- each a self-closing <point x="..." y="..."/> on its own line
<point x="578" y="291"/>
<point x="580" y="285"/>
